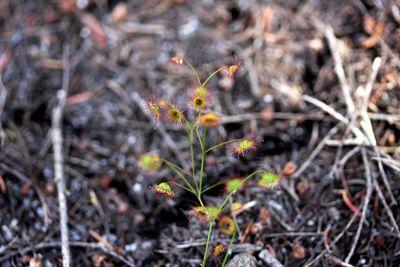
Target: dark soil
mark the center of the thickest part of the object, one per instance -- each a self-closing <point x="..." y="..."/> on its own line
<point x="285" y="55"/>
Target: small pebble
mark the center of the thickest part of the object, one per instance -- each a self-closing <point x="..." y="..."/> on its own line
<point x="243" y="260"/>
<point x="131" y="247"/>
<point x="137" y="187"/>
<point x="119" y="13"/>
<point x="310" y="223"/>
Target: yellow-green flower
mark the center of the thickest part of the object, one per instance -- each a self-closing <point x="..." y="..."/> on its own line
<point x="199" y="103"/>
<point x="244" y="146"/>
<point x="218" y="249"/>
<point x="175" y="115"/>
<point x="150" y="162"/>
<point x="233" y="184"/>
<point x="163" y="189"/>
<point x="155" y="110"/>
<point x="268" y="180"/>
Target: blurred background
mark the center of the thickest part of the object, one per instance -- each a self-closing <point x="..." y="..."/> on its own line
<point x="118" y="55"/>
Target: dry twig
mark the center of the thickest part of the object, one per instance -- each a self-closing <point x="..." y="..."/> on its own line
<point x="365" y="205"/>
<point x="346" y="90"/>
<point x="73" y="244"/>
<point x="57" y="139"/>
<point x="3" y="96"/>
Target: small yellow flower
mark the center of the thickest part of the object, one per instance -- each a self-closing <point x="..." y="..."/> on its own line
<point x="209" y="119"/>
<point x="199" y="103"/>
<point x="163" y="189"/>
<point x="218" y="249"/>
<point x="226" y="225"/>
<point x="269" y="180"/>
<point x="175" y="115"/>
<point x="154" y="109"/>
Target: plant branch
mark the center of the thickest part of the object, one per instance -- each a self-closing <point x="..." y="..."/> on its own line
<point x="221" y="144"/>
<point x="193" y="69"/>
<point x="212" y="75"/>
<point x="203" y="264"/>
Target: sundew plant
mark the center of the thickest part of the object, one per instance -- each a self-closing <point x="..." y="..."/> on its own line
<point x="192" y="179"/>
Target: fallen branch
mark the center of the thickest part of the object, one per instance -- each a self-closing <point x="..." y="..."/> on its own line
<point x="3" y="96"/>
<point x="57" y="139"/>
<point x="346" y="90"/>
<point x="73" y="244"/>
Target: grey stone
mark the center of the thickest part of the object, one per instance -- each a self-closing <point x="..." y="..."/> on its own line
<point x="243" y="260"/>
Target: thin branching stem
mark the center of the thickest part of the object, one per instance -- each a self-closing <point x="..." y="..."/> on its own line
<point x="221" y="144"/>
<point x="222" y="207"/>
<point x="212" y="186"/>
<point x="203" y="156"/>
<point x="189" y="131"/>
<point x="207" y="243"/>
<point x="229" y="247"/>
<point x="174" y="168"/>
<point x="169" y="163"/>
<point x="193" y="69"/>
<point x="212" y="75"/>
<point x="181" y="186"/>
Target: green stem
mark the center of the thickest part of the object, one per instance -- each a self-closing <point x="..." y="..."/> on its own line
<point x="169" y="163"/>
<point x="212" y="186"/>
<point x="189" y="131"/>
<point x="199" y="137"/>
<point x="212" y="75"/>
<point x="203" y="156"/>
<point x="193" y="69"/>
<point x="221" y="144"/>
<point x="229" y="247"/>
<point x="203" y="264"/>
<point x="181" y="186"/>
<point x="221" y="208"/>
<point x="174" y="168"/>
<point x="191" y="151"/>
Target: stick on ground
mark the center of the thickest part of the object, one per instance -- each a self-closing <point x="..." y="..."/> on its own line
<point x="57" y="139"/>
